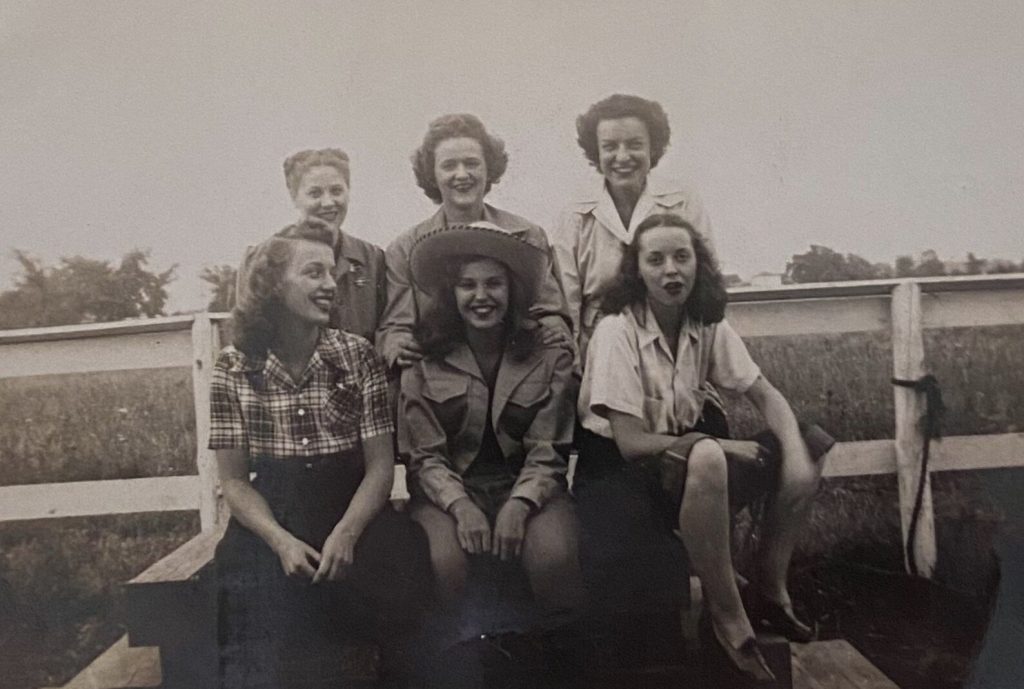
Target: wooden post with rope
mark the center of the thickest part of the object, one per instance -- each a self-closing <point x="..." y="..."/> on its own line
<point x="908" y="364"/>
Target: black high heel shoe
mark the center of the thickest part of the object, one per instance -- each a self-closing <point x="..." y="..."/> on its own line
<point x="771" y="617"/>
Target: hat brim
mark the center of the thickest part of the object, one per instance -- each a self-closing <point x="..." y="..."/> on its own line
<point x="432" y="255"/>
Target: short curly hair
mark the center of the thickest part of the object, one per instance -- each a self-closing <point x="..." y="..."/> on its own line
<point x="617" y="106"/>
<point x="452" y="127"/>
<point x="297" y="164"/>
<point x="708" y="298"/>
<point x="257" y="310"/>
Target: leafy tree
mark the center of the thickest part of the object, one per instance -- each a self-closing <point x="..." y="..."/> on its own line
<point x="822" y="264"/>
<point x="904" y="267"/>
<point x="83" y="290"/>
<point x="222" y="280"/>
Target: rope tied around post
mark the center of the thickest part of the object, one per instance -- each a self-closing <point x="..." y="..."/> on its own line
<point x="931" y="426"/>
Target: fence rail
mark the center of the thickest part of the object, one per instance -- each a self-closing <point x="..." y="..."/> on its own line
<point x="904" y="308"/>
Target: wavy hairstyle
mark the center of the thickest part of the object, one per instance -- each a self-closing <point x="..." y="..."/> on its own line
<point x="452" y="127"/>
<point x="258" y="309"/>
<point x="707" y="300"/>
<point x="298" y="164"/>
<point x="617" y="106"/>
<point x="441" y="329"/>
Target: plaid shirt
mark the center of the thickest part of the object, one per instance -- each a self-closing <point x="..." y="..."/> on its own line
<point x="341" y="397"/>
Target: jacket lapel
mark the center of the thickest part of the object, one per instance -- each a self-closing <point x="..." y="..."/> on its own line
<point x="510" y="374"/>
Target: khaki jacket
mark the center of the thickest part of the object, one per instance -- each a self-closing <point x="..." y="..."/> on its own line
<point x="443" y="407"/>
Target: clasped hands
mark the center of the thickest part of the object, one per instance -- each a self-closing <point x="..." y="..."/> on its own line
<point x="474" y="530"/>
<point x="299" y="559"/>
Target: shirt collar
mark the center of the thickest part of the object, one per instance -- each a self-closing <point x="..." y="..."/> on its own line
<point x="647" y="325"/>
<point x="328" y="351"/>
<point x="346" y="248"/>
<point x="665" y="193"/>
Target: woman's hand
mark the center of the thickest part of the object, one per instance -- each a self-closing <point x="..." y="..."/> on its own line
<point x="297" y="557"/>
<point x="337" y="556"/>
<point x="409" y="351"/>
<point x="747" y="451"/>
<point x="471" y="524"/>
<point x="554" y="336"/>
<point x="510" y="529"/>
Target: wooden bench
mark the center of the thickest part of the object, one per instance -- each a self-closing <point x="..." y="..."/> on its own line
<point x="173" y="605"/>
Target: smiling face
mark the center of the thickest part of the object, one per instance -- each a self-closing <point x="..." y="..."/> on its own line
<point x="624" y="150"/>
<point x="307" y="287"/>
<point x="667" y="264"/>
<point x="482" y="293"/>
<point x="322" y="194"/>
<point x="461" y="174"/>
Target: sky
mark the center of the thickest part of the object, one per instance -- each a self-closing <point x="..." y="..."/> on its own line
<point x="874" y="127"/>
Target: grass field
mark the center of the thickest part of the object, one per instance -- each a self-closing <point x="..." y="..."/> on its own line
<point x="59" y="580"/>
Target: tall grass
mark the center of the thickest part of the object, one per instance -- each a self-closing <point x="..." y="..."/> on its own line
<point x="92" y="426"/>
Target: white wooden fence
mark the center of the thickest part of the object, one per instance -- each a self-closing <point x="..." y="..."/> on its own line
<point x="902" y="307"/>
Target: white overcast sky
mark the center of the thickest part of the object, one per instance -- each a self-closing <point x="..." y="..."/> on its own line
<point x="874" y="127"/>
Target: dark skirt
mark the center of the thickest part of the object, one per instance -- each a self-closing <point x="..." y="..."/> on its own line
<point x="277" y="631"/>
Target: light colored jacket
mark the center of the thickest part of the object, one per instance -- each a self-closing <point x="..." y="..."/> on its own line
<point x="406" y="303"/>
<point x="443" y="406"/>
<point x="590" y="237"/>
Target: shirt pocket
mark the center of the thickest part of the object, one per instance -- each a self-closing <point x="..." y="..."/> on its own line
<point x="447" y="396"/>
<point x="343" y="408"/>
<point x="523" y="405"/>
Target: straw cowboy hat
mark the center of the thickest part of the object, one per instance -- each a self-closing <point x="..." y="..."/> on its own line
<point x="432" y="255"/>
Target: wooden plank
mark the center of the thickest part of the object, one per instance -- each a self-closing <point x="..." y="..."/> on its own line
<point x="87" y="330"/>
<point x="205" y="345"/>
<point x="809" y="316"/>
<point x="908" y="364"/>
<point x="90" y="498"/>
<point x="952" y="453"/>
<point x="120" y="667"/>
<point x="835" y="664"/>
<point x="186" y="561"/>
<point x="976" y="309"/>
<point x="854" y="288"/>
<point x="110" y="353"/>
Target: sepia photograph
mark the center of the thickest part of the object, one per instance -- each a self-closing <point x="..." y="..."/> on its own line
<point x="508" y="344"/>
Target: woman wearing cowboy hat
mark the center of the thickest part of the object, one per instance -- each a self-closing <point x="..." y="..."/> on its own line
<point x="490" y="415"/>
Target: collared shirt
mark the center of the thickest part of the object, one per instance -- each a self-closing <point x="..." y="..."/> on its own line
<point x="406" y="302"/>
<point x="340" y="398"/>
<point x="361" y="279"/>
<point x="590" y="238"/>
<point x="630" y="369"/>
<point x="444" y="406"/>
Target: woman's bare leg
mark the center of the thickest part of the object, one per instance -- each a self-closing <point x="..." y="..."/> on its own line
<point x="704" y="522"/>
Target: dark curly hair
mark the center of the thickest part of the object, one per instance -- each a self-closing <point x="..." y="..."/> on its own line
<point x="257" y="311"/>
<point x="441" y="329"/>
<point x="451" y="127"/>
<point x="707" y="300"/>
<point x="616" y="107"/>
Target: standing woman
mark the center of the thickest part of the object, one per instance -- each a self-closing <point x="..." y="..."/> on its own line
<point x="490" y="416"/>
<point x="313" y="554"/>
<point x="456" y="165"/>
<point x="319" y="182"/>
<point x="641" y="403"/>
<point x="623" y="137"/>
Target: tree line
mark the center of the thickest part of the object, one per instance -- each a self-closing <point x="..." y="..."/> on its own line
<point x="85" y="290"/>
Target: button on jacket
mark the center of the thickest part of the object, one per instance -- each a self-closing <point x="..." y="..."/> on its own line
<point x="590" y="238"/>
<point x="406" y="303"/>
<point x="444" y="410"/>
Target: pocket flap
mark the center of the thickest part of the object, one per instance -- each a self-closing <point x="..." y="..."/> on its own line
<point x="530" y="392"/>
<point x="441" y="388"/>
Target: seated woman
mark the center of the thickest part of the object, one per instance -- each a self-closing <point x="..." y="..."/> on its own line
<point x="312" y="554"/>
<point x="641" y="404"/>
<point x="490" y="416"/>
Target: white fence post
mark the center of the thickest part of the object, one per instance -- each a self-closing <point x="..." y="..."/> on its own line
<point x="908" y="364"/>
<point x="205" y="343"/>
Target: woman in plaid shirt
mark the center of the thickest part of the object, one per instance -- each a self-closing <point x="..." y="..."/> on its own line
<point x="313" y="554"/>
